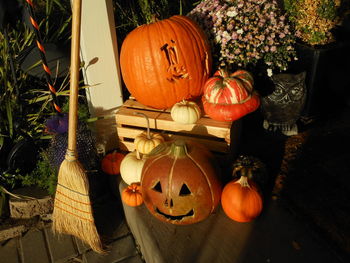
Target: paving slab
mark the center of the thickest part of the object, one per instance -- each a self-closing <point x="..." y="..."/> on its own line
<point x="119" y="251"/>
<point x="9" y="251"/>
<point x="62" y="246"/>
<point x="34" y="247"/>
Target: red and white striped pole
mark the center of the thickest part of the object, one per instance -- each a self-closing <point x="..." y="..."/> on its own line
<point x="41" y="48"/>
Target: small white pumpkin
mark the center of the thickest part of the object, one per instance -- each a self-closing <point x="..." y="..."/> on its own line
<point x="131" y="167"/>
<point x="147" y="141"/>
<point x="185" y="112"/>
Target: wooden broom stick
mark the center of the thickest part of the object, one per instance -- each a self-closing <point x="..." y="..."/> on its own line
<point x="72" y="212"/>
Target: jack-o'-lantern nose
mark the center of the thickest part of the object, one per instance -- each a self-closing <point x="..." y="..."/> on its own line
<point x="169" y="202"/>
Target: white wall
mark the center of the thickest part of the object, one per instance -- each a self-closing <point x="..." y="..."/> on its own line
<point x="99" y="51"/>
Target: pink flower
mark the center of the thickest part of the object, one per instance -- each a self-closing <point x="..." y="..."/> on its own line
<point x="246" y="31"/>
<point x="234" y="35"/>
<point x="261" y="37"/>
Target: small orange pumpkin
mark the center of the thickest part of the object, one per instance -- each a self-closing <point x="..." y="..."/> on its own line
<point x="241" y="199"/>
<point x="110" y="163"/>
<point x="132" y="196"/>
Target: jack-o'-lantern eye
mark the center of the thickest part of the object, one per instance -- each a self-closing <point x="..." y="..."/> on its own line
<point x="184" y="190"/>
<point x="157" y="187"/>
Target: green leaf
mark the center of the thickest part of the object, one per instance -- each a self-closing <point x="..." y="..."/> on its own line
<point x="9" y="117"/>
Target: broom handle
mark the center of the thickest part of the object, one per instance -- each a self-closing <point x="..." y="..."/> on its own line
<point x="74" y="76"/>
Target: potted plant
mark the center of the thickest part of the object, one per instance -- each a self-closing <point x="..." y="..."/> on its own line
<point x="323" y="52"/>
<point x="24" y="102"/>
<point x="248" y="34"/>
<point x="315" y="21"/>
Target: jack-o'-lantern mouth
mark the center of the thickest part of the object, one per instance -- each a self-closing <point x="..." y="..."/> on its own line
<point x="180" y="217"/>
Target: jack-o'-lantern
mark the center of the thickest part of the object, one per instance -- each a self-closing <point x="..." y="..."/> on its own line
<point x="180" y="183"/>
<point x="166" y="61"/>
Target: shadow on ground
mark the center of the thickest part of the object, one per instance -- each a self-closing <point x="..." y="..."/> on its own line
<point x="309" y="172"/>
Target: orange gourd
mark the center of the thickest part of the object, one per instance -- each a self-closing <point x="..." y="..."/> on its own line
<point x="165" y="62"/>
<point x="229" y="97"/>
<point x="131" y="195"/>
<point x="241" y="199"/>
<point x="110" y="163"/>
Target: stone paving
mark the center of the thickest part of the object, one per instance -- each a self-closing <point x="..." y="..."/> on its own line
<point x="42" y="246"/>
<point x="38" y="244"/>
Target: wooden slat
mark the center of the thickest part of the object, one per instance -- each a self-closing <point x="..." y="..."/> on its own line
<point x="216" y="146"/>
<point x="202" y="126"/>
<point x="137" y="105"/>
<point x="163" y="121"/>
<point x="211" y="145"/>
<point x="128" y="132"/>
<point x="126" y="146"/>
<point x="127" y="116"/>
<point x="213" y="134"/>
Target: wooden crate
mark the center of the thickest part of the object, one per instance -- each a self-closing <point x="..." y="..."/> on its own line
<point x="217" y="136"/>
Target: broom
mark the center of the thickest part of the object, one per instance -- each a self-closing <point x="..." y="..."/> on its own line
<point x="72" y="212"/>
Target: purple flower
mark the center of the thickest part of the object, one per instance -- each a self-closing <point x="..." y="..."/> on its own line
<point x="57" y="124"/>
<point x="246" y="31"/>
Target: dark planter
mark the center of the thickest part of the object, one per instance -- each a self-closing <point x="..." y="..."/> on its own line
<point x="327" y="79"/>
<point x="3" y="204"/>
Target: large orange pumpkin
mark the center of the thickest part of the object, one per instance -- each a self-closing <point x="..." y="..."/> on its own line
<point x="165" y="62"/>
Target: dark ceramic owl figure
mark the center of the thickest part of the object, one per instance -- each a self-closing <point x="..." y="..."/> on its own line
<point x="282" y="108"/>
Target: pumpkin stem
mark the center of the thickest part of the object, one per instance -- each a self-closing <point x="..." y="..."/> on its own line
<point x="149" y="137"/>
<point x="138" y="155"/>
<point x="178" y="149"/>
<point x="154" y="18"/>
<point x="243" y="180"/>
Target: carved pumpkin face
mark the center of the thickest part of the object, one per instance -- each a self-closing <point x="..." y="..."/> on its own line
<point x="172" y="58"/>
<point x="179" y="183"/>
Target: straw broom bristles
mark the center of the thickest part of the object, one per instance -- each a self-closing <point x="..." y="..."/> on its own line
<point x="72" y="212"/>
<point x="72" y="209"/>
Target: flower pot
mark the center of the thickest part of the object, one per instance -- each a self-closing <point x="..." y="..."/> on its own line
<point x="327" y="77"/>
<point x="3" y="205"/>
